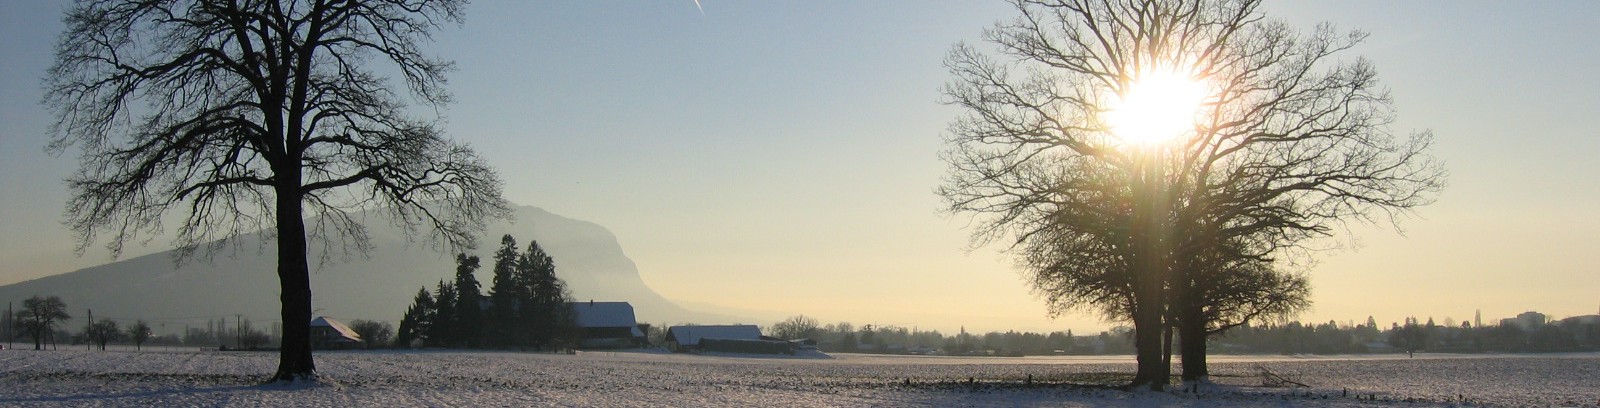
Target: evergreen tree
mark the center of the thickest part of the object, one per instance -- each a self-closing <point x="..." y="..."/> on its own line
<point x="442" y="328"/>
<point x="528" y="305"/>
<point x="546" y="319"/>
<point x="468" y="302"/>
<point x="503" y="296"/>
<point x="414" y="326"/>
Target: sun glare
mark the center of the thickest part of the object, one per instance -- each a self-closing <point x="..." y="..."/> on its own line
<point x="1157" y="106"/>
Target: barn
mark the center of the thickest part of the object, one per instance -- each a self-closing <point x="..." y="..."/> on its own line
<point x="329" y="334"/>
<point x="607" y="325"/>
<point x="742" y="338"/>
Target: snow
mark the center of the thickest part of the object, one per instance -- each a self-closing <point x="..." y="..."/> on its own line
<point x="652" y="378"/>
<point x="604" y="314"/>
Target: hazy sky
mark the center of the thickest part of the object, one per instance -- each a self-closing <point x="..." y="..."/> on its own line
<point x="780" y="157"/>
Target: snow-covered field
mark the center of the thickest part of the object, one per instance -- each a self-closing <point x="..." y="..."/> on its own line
<point x="645" y="379"/>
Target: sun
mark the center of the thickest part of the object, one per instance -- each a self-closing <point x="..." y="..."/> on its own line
<point x="1158" y="105"/>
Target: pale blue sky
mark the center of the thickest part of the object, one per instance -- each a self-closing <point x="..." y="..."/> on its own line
<point x="780" y="157"/>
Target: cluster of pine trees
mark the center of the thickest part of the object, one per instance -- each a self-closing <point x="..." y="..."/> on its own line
<point x="527" y="306"/>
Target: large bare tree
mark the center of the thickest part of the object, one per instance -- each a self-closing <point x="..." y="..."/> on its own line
<point x="1291" y="143"/>
<point x="1296" y="145"/>
<point x="39" y="316"/>
<point x="271" y="117"/>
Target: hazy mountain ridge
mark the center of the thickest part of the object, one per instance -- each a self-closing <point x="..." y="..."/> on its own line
<point x="379" y="287"/>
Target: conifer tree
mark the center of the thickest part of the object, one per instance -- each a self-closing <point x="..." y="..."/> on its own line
<point x="442" y="328"/>
<point x="415" y="325"/>
<point x="468" y="302"/>
<point x="545" y="314"/>
<point x="503" y="296"/>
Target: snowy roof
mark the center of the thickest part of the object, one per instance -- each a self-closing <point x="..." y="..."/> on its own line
<point x="603" y="314"/>
<point x="691" y="335"/>
<point x="324" y="321"/>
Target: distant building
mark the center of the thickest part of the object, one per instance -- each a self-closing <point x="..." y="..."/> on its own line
<point x="688" y="338"/>
<point x="329" y="334"/>
<point x="1526" y="321"/>
<point x="1584" y="329"/>
<point x="1590" y="319"/>
<point x="607" y="325"/>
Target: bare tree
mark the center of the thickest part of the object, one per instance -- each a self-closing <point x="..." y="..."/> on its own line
<point x="796" y="327"/>
<point x="1290" y="144"/>
<point x="38" y="317"/>
<point x="102" y="332"/>
<point x="1296" y="146"/>
<point x="251" y="338"/>
<point x="253" y="117"/>
<point x="375" y="333"/>
<point x="139" y="332"/>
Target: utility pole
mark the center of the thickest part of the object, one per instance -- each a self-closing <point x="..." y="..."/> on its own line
<point x="238" y="331"/>
<point x="88" y="343"/>
<point x="10" y="321"/>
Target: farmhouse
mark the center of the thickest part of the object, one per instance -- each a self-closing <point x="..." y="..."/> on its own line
<point x="607" y="325"/>
<point x="743" y="338"/>
<point x="329" y="334"/>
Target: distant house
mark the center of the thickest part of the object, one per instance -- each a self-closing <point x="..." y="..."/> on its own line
<point x="329" y="334"/>
<point x="692" y="338"/>
<point x="607" y="325"/>
<point x="1526" y="321"/>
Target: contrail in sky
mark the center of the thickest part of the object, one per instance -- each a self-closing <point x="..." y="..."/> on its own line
<point x="697" y="6"/>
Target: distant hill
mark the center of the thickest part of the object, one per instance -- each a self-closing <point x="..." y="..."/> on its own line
<point x="587" y="257"/>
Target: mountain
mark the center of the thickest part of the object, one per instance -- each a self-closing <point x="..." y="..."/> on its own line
<point x="378" y="287"/>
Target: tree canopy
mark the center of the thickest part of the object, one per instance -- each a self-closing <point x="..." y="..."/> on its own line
<point x="38" y="317"/>
<point x="1290" y="142"/>
<point x="237" y="117"/>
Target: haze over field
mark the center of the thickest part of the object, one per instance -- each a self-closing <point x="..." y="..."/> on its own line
<point x="149" y="287"/>
<point x="779" y="158"/>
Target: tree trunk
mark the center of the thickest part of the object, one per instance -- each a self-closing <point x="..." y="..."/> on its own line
<point x="1166" y="344"/>
<point x="1148" y="325"/>
<point x="1150" y="273"/>
<point x="1191" y="324"/>
<point x="294" y="279"/>
<point x="1147" y="349"/>
<point x="1192" y="336"/>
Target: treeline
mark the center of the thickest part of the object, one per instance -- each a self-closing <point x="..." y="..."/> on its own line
<point x="1412" y="336"/>
<point x="1289" y="338"/>
<point x="42" y="319"/>
<point x="239" y="334"/>
<point x="525" y="308"/>
<point x="890" y="339"/>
